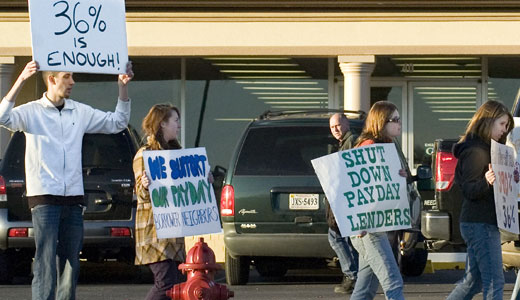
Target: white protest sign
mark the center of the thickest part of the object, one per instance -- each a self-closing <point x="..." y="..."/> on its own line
<point x="86" y="36"/>
<point x="504" y="188"/>
<point x="183" y="200"/>
<point x="364" y="189"/>
<point x="513" y="140"/>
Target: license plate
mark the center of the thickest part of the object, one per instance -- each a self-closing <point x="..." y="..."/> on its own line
<point x="304" y="201"/>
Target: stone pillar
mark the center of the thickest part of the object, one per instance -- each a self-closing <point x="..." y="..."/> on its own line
<point x="6" y="80"/>
<point x="356" y="73"/>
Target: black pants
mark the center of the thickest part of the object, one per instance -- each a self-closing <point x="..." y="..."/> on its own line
<point x="165" y="275"/>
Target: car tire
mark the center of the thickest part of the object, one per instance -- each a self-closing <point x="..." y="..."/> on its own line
<point x="415" y="261"/>
<point x="271" y="267"/>
<point x="237" y="269"/>
<point x="6" y="274"/>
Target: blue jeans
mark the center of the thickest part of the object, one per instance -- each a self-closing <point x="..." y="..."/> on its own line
<point x="58" y="235"/>
<point x="347" y="255"/>
<point x="483" y="263"/>
<point x="376" y="265"/>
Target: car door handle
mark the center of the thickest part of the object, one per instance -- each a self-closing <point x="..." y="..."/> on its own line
<point x="103" y="201"/>
<point x="303" y="219"/>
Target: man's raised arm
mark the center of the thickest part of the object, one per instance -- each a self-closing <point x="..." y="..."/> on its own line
<point x="30" y="69"/>
<point x="123" y="81"/>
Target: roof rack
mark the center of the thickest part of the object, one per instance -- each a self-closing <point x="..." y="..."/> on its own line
<point x="353" y="114"/>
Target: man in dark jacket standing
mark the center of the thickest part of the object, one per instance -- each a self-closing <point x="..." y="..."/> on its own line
<point x="347" y="255"/>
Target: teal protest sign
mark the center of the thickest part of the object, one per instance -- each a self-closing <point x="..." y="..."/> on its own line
<point x="364" y="188"/>
<point x="183" y="200"/>
<point x="86" y="36"/>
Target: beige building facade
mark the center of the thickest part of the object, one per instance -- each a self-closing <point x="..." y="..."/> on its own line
<point x="407" y="48"/>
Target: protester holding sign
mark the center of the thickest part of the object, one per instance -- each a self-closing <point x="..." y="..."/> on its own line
<point x="54" y="127"/>
<point x="376" y="259"/>
<point x="161" y="126"/>
<point x="478" y="220"/>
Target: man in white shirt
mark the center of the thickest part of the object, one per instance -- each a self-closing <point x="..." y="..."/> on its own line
<point x="54" y="126"/>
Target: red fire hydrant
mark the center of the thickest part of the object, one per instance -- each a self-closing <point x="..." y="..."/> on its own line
<point x="201" y="268"/>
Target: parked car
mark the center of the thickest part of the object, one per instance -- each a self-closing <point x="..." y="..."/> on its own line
<point x="440" y="216"/>
<point x="271" y="162"/>
<point x="110" y="214"/>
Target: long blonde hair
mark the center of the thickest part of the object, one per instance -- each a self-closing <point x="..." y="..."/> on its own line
<point x="375" y="123"/>
<point x="152" y="127"/>
<point x="481" y="124"/>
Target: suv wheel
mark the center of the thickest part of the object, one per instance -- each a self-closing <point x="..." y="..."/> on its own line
<point x="237" y="269"/>
<point x="412" y="259"/>
<point x="414" y="262"/>
<point x="6" y="275"/>
<point x="270" y="267"/>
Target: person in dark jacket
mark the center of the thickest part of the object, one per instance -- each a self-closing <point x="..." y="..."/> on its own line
<point x="478" y="221"/>
<point x="347" y="255"/>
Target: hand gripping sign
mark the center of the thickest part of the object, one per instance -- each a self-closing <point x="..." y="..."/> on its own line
<point x="86" y="36"/>
<point x="364" y="189"/>
<point x="183" y="201"/>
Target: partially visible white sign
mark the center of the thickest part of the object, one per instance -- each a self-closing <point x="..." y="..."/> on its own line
<point x="364" y="189"/>
<point x="513" y="140"/>
<point x="505" y="188"/>
<point x="86" y="36"/>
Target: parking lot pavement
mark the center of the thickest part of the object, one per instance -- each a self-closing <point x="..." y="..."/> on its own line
<point x="113" y="280"/>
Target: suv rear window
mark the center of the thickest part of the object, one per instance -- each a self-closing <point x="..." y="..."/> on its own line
<point x="103" y="151"/>
<point x="286" y="150"/>
<point x="100" y="151"/>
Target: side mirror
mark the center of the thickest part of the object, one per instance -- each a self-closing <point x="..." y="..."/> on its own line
<point x="424" y="172"/>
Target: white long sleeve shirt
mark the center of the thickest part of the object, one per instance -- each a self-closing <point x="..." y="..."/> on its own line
<point x="54" y="140"/>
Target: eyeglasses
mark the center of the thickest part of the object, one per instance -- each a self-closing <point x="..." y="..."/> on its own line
<point x="394" y="120"/>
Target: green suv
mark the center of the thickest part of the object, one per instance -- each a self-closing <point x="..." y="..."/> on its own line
<point x="270" y="215"/>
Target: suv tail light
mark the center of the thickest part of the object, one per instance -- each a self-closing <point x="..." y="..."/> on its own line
<point x="3" y="195"/>
<point x="446" y="163"/>
<point x="19" y="232"/>
<point x="227" y="201"/>
<point x="119" y="231"/>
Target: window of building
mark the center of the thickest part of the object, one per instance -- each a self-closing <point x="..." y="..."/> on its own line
<point x="503" y="79"/>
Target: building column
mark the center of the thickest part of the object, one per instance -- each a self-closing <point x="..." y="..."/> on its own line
<point x="356" y="73"/>
<point x="6" y="73"/>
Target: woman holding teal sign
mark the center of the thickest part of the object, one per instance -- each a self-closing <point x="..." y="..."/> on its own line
<point x="376" y="260"/>
<point x="161" y="126"/>
<point x="478" y="220"/>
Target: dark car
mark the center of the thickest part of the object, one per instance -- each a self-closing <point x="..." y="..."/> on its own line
<point x="262" y="226"/>
<point x="109" y="193"/>
<point x="440" y="216"/>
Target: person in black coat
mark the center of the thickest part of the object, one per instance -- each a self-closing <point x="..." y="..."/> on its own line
<point x="478" y="221"/>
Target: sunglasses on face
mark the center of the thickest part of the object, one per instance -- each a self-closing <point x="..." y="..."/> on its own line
<point x="394" y="120"/>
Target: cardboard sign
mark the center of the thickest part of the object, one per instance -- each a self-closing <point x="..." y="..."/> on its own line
<point x="364" y="189"/>
<point x="79" y="36"/>
<point x="183" y="200"/>
<point x="505" y="188"/>
<point x="513" y="140"/>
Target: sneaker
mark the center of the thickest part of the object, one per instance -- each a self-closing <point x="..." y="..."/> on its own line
<point x="346" y="286"/>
